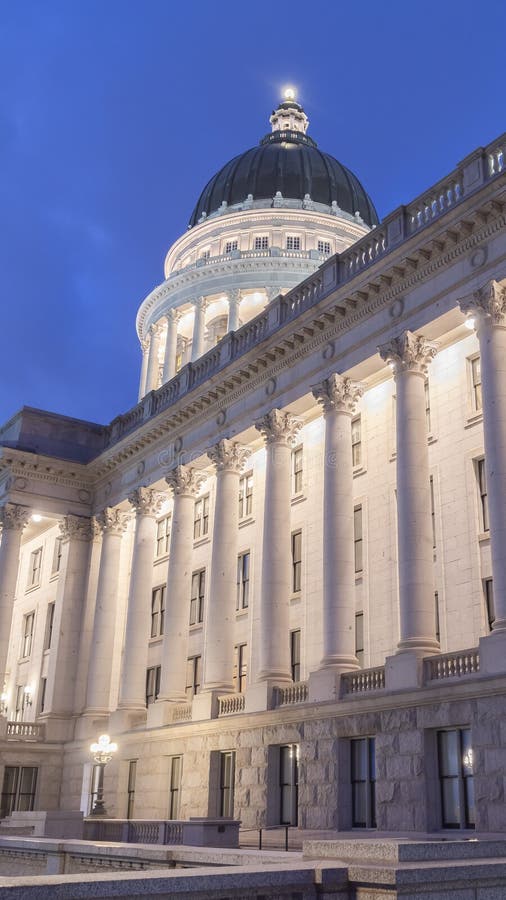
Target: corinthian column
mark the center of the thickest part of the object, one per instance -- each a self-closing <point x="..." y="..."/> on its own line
<point x="13" y="519"/>
<point x="338" y="396"/>
<point x="147" y="504"/>
<point x="279" y="430"/>
<point x="113" y="524"/>
<point x="229" y="459"/>
<point x="488" y="307"/>
<point x="144" y="369"/>
<point x="154" y="358"/>
<point x="185" y="483"/>
<point x="234" y="303"/>
<point x="198" y="328"/>
<point x="409" y="356"/>
<point x="169" y="364"/>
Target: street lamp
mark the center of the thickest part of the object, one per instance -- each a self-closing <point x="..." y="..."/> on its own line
<point x="102" y="751"/>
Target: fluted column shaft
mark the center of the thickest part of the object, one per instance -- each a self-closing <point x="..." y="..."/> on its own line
<point x="338" y="396"/>
<point x="113" y="525"/>
<point x="198" y="328"/>
<point x="132" y="692"/>
<point x="234" y="304"/>
<point x="488" y="306"/>
<point x="144" y="369"/>
<point x="169" y="364"/>
<point x="153" y="358"/>
<point x="185" y="483"/>
<point x="229" y="459"/>
<point x="279" y="430"/>
<point x="409" y="355"/>
<point x="13" y="519"/>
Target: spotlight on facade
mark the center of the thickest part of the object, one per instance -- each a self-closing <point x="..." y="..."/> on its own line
<point x="36" y="517"/>
<point x="470" y="323"/>
<point x="103" y="751"/>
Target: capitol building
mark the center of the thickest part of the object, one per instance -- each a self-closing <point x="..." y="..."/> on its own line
<point x="278" y="581"/>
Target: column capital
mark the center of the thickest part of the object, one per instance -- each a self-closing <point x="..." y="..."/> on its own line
<point x="111" y="521"/>
<point x="229" y="456"/>
<point x="338" y="393"/>
<point x="200" y="303"/>
<point x="279" y="427"/>
<point x="173" y="315"/>
<point x="145" y="342"/>
<point x="155" y="328"/>
<point x="14" y="517"/>
<point x="146" y="501"/>
<point x="488" y="302"/>
<point x="184" y="481"/>
<point x="408" y="352"/>
<point x="272" y="292"/>
<point x="77" y="528"/>
<point x="234" y="295"/>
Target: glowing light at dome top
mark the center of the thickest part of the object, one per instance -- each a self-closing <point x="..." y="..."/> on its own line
<point x="289" y="93"/>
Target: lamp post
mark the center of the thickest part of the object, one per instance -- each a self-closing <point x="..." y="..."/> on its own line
<point x="103" y="751"/>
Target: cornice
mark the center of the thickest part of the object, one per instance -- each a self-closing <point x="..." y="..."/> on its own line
<point x="22" y="467"/>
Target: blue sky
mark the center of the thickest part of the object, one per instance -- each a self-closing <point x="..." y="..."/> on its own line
<point x="113" y="115"/>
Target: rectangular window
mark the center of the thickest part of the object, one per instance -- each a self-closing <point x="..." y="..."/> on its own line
<point x="227" y="779"/>
<point x="482" y="488"/>
<point x="475" y="364"/>
<point x="48" y="633"/>
<point x="432" y="512"/>
<point x="297" y="463"/>
<point x="242" y="601"/>
<point x="163" y="536"/>
<point x="427" y="406"/>
<point x="57" y="554"/>
<point x="288" y="784"/>
<point x="488" y="591"/>
<point x="27" y="637"/>
<point x="359" y="638"/>
<point x="158" y="611"/>
<point x="132" y="775"/>
<point x="175" y="778"/>
<point x="201" y="518"/>
<point x="153" y="676"/>
<point x="230" y="246"/>
<point x="262" y="243"/>
<point x="193" y="676"/>
<point x="358" y="539"/>
<point x="295" y="654"/>
<point x="363" y="782"/>
<point x="34" y="568"/>
<point x="20" y="703"/>
<point x="436" y="614"/>
<point x="241" y="668"/>
<point x="292" y="243"/>
<point x="356" y="441"/>
<point x="42" y="695"/>
<point x="18" y="790"/>
<point x="296" y="561"/>
<point x="197" y="597"/>
<point x="205" y="254"/>
<point x="324" y="247"/>
<point x="455" y="760"/>
<point x="246" y="495"/>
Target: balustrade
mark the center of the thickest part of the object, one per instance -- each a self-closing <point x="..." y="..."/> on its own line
<point x="292" y="694"/>
<point x="363" y="681"/>
<point x="230" y="704"/>
<point x="25" y="731"/>
<point x="452" y="665"/>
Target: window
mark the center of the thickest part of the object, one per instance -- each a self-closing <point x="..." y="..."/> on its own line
<point x="488" y="590"/>
<point x="163" y="536"/>
<point x="359" y="638"/>
<point x="436" y="614"/>
<point x="427" y="406"/>
<point x="475" y="365"/>
<point x="292" y="243"/>
<point x="197" y="597"/>
<point x="358" y="539"/>
<point x="363" y="782"/>
<point x="193" y="676"/>
<point x="48" y="634"/>
<point x="205" y="254"/>
<point x="201" y="518"/>
<point x="296" y="561"/>
<point x="158" y="611"/>
<point x="297" y="461"/>
<point x="288" y="784"/>
<point x="95" y="781"/>
<point x="246" y="495"/>
<point x="432" y="512"/>
<point x="227" y="778"/>
<point x="18" y="790"/>
<point x="262" y="243"/>
<point x="27" y="637"/>
<point x="57" y="554"/>
<point x="230" y="246"/>
<point x="132" y="774"/>
<point x="242" y="581"/>
<point x="455" y="760"/>
<point x="324" y="247"/>
<point x="356" y="441"/>
<point x="482" y="487"/>
<point x="295" y="654"/>
<point x="42" y="695"/>
<point x="34" y="568"/>
<point x="153" y="676"/>
<point x="241" y="668"/>
<point x="175" y="776"/>
<point x="20" y="703"/>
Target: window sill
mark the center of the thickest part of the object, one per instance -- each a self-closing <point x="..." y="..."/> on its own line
<point x="474" y="418"/>
<point x="199" y="626"/>
<point x="483" y="537"/>
<point x="241" y="613"/>
<point x="54" y="576"/>
<point x="248" y="520"/>
<point x="359" y="470"/>
<point x="296" y="597"/>
<point x="153" y="641"/>
<point x="159" y="559"/>
<point x="33" y="587"/>
<point x="200" y="542"/>
<point x="298" y="498"/>
<point x="359" y="577"/>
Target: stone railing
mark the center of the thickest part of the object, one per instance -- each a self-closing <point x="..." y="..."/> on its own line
<point x="452" y="665"/>
<point x="363" y="681"/>
<point x="291" y="694"/>
<point x="134" y="831"/>
<point x="230" y="704"/>
<point x="25" y="731"/>
<point x="250" y="254"/>
<point x="182" y="712"/>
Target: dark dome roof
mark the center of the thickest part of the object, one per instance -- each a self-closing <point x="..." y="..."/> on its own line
<point x="291" y="163"/>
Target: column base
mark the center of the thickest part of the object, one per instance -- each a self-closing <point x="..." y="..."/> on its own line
<point x="260" y="696"/>
<point x="58" y="727"/>
<point x="161" y="712"/>
<point x="125" y="719"/>
<point x="404" y="670"/>
<point x="205" y="705"/>
<point x="325" y="682"/>
<point x="493" y="653"/>
<point x="91" y="724"/>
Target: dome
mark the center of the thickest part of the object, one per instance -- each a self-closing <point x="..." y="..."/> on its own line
<point x="286" y="163"/>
